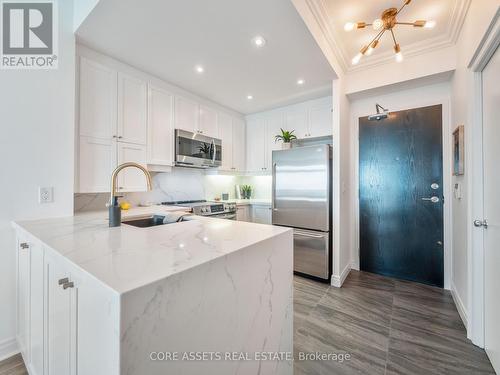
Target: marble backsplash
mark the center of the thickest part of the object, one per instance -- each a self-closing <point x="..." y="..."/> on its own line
<point x="181" y="184"/>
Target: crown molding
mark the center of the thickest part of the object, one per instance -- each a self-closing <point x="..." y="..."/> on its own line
<point x="319" y="10"/>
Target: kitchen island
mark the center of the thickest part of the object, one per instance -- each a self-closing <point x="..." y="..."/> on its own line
<point x="201" y="296"/>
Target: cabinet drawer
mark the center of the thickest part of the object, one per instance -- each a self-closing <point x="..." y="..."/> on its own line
<point x="311" y="252"/>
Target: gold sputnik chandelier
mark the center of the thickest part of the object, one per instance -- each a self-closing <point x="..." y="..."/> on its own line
<point x="386" y="22"/>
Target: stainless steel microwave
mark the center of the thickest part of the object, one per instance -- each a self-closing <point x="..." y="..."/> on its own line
<point x="197" y="150"/>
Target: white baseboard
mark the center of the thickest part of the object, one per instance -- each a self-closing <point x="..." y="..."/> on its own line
<point x="337" y="281"/>
<point x="8" y="348"/>
<point x="355" y="265"/>
<point x="462" y="311"/>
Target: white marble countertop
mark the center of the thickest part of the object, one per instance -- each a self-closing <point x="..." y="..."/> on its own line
<point x="261" y="202"/>
<point x="126" y="257"/>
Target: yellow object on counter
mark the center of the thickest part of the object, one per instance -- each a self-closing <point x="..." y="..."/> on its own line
<point x="124" y="206"/>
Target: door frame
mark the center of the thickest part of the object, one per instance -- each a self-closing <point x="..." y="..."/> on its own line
<point x="447" y="167"/>
<point x="474" y="154"/>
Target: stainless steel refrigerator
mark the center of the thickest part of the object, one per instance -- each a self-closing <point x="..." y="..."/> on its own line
<point x="302" y="201"/>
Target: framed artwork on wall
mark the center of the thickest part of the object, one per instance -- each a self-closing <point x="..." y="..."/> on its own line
<point x="458" y="151"/>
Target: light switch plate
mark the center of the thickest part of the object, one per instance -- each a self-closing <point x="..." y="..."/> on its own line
<point x="46" y="194"/>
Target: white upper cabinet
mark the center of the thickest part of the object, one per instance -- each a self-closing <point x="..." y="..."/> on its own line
<point x="239" y="145"/>
<point x="256" y="145"/>
<point x="160" y="127"/>
<point x="274" y="125"/>
<point x="97" y="159"/>
<point x="98" y="99"/>
<point x="296" y="119"/>
<point x="131" y="179"/>
<point x="321" y="119"/>
<point x="309" y="119"/>
<point x="187" y="114"/>
<point x="132" y="106"/>
<point x="208" y="121"/>
<point x="232" y="134"/>
<point x="225" y="133"/>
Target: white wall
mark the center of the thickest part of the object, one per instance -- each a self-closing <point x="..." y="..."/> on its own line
<point x="82" y="9"/>
<point x="478" y="19"/>
<point x="342" y="188"/>
<point x="395" y="100"/>
<point x="421" y="65"/>
<point x="36" y="149"/>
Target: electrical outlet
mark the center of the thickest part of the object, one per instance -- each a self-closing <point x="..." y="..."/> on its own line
<point x="46" y="194"/>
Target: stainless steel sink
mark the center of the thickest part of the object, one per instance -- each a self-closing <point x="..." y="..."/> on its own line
<point x="155" y="220"/>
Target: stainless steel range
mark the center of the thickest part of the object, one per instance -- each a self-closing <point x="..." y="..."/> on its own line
<point x="219" y="210"/>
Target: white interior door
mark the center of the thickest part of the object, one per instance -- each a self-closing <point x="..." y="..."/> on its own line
<point x="491" y="143"/>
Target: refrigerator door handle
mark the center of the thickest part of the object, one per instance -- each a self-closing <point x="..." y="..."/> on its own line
<point x="304" y="234"/>
<point x="273" y="198"/>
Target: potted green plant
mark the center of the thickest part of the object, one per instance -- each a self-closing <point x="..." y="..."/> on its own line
<point x="286" y="137"/>
<point x="246" y="191"/>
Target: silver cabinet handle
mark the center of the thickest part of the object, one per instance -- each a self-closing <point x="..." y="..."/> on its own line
<point x="115" y="136"/>
<point x="481" y="223"/>
<point x="303" y="234"/>
<point x="431" y="199"/>
<point x="24" y="245"/>
<point x="68" y="285"/>
<point x="120" y="137"/>
<point x="63" y="281"/>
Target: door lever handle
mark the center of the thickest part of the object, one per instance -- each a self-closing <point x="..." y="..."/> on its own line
<point x="481" y="223"/>
<point x="431" y="199"/>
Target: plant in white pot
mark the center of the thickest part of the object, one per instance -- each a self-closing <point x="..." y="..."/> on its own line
<point x="286" y="137"/>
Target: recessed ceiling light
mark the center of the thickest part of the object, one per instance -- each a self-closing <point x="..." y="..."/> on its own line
<point x="199" y="69"/>
<point x="300" y="82"/>
<point x="249" y="97"/>
<point x="259" y="41"/>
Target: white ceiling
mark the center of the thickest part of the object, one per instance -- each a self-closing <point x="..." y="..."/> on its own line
<point x="448" y="14"/>
<point x="167" y="38"/>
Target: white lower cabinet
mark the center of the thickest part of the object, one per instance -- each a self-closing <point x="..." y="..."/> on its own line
<point x="30" y="324"/>
<point x="261" y="214"/>
<point x="255" y="213"/>
<point x="23" y="297"/>
<point x="243" y="213"/>
<point x="67" y="322"/>
<point x="37" y="321"/>
<point x="61" y="319"/>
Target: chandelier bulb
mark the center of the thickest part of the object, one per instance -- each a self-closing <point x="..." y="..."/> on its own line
<point x="356" y="59"/>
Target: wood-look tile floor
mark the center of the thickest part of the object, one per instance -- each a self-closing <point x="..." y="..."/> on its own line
<point x="387" y="326"/>
<point x="13" y="366"/>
